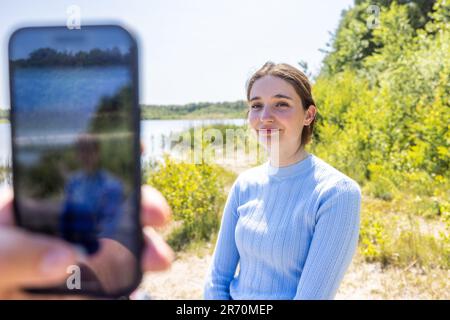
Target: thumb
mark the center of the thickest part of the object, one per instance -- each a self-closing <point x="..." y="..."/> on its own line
<point x="28" y="260"/>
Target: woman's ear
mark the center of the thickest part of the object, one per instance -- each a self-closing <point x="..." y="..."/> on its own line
<point x="310" y="114"/>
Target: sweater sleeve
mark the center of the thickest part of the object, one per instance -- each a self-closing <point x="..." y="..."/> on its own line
<point x="226" y="255"/>
<point x="333" y="243"/>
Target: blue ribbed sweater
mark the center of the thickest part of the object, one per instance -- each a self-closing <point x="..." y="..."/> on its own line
<point x="286" y="233"/>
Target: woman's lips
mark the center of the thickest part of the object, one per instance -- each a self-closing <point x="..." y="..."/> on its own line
<point x="268" y="131"/>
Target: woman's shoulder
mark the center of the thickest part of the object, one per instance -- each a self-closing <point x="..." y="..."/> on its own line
<point x="252" y="176"/>
<point x="330" y="178"/>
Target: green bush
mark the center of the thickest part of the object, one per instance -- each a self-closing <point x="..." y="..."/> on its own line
<point x="374" y="238"/>
<point x="195" y="193"/>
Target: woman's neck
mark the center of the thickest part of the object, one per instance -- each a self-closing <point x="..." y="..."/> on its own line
<point x="284" y="159"/>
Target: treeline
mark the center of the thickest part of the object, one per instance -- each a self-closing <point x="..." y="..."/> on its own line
<point x="48" y="57"/>
<point x="201" y="110"/>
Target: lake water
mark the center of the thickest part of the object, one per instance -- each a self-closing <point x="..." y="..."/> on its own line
<point x="155" y="135"/>
<point x="63" y="102"/>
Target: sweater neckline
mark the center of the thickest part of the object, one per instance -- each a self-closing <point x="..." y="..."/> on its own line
<point x="290" y="170"/>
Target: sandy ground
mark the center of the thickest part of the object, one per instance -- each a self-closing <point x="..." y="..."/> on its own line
<point x="363" y="281"/>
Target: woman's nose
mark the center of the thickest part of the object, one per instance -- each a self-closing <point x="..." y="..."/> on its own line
<point x="266" y="114"/>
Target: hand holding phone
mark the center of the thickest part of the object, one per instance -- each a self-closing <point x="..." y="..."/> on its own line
<point x="24" y="256"/>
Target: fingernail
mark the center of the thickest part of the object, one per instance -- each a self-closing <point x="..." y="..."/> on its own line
<point x="56" y="260"/>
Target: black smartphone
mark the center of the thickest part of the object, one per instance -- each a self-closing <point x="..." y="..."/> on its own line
<point x="76" y="152"/>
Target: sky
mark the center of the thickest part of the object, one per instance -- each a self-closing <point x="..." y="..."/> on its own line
<point x="193" y="50"/>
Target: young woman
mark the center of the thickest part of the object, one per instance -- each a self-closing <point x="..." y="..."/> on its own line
<point x="290" y="226"/>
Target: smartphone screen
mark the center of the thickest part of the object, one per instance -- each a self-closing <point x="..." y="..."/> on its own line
<point x="76" y="152"/>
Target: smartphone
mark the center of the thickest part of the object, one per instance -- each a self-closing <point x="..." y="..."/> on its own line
<point x="76" y="150"/>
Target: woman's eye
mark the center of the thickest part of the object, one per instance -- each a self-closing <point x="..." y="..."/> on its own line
<point x="282" y="104"/>
<point x="256" y="106"/>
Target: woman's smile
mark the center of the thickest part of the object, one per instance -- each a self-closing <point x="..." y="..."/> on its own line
<point x="269" y="131"/>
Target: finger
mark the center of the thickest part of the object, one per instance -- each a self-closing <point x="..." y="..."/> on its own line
<point x="6" y="207"/>
<point x="155" y="209"/>
<point x="157" y="254"/>
<point x="28" y="260"/>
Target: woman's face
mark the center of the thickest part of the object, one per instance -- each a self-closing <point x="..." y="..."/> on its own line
<point x="276" y="112"/>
